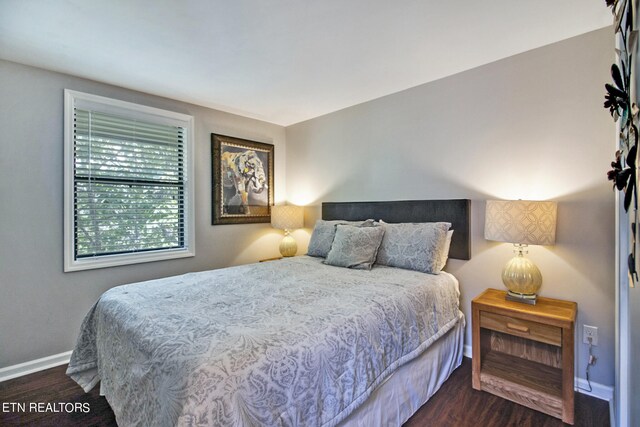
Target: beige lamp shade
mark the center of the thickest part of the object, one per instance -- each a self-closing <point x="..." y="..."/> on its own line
<point x="287" y="217"/>
<point x="525" y="222"/>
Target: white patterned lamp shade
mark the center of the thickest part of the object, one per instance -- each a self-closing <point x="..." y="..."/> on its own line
<point x="287" y="218"/>
<point x="525" y="222"/>
<point x="521" y="222"/>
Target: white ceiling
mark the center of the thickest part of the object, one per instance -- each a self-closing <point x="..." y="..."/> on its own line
<point x="282" y="61"/>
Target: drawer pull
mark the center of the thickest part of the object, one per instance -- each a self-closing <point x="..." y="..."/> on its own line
<point x="519" y="328"/>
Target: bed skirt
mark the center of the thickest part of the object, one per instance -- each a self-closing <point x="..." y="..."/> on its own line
<point x="393" y="402"/>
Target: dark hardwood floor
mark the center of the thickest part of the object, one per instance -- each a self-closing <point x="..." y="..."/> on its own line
<point x="455" y="404"/>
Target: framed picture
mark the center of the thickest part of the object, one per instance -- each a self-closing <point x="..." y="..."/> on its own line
<point x="242" y="180"/>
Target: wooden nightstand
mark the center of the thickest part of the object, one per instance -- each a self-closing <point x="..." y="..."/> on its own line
<point x="524" y="353"/>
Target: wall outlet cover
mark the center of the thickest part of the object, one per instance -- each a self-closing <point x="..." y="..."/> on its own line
<point x="590" y="332"/>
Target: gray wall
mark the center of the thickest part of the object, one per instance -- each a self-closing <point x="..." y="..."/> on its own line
<point x="530" y="126"/>
<point x="41" y="307"/>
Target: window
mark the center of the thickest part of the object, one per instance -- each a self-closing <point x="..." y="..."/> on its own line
<point x="128" y="183"/>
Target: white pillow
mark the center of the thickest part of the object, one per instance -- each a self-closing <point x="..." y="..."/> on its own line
<point x="444" y="255"/>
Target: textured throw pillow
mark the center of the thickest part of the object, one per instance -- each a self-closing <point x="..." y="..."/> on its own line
<point x="355" y="247"/>
<point x="322" y="237"/>
<point x="416" y="247"/>
<point x="324" y="232"/>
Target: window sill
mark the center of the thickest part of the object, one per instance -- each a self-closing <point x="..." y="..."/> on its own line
<point x="104" y="261"/>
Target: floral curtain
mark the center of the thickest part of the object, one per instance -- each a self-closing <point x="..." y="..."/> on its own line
<point x="621" y="101"/>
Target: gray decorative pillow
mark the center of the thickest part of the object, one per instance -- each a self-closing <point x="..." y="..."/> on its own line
<point x="324" y="232"/>
<point x="416" y="247"/>
<point x="355" y="247"/>
<point x="322" y="237"/>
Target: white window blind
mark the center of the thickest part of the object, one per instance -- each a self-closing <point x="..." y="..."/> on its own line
<point x="130" y="189"/>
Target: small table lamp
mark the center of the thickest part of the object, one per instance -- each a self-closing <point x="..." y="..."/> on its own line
<point x="521" y="222"/>
<point x="287" y="218"/>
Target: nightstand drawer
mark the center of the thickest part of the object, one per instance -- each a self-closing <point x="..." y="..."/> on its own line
<point x="522" y="328"/>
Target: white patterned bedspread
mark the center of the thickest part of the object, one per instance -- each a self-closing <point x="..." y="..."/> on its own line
<point x="286" y="343"/>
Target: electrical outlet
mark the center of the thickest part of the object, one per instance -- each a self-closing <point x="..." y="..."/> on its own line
<point x="590" y="332"/>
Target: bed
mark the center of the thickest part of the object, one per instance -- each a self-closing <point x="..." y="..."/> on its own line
<point x="292" y="342"/>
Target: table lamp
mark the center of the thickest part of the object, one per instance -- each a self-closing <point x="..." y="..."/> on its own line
<point x="287" y="218"/>
<point x="521" y="222"/>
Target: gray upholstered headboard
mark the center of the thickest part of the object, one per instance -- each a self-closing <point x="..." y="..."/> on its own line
<point x="457" y="212"/>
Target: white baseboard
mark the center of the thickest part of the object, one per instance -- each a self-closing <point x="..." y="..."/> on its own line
<point x="467" y="351"/>
<point x="599" y="391"/>
<point x="32" y="366"/>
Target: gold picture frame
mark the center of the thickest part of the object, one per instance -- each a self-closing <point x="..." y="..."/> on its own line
<point x="242" y="180"/>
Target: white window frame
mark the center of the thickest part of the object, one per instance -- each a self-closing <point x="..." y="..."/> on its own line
<point x="73" y="99"/>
